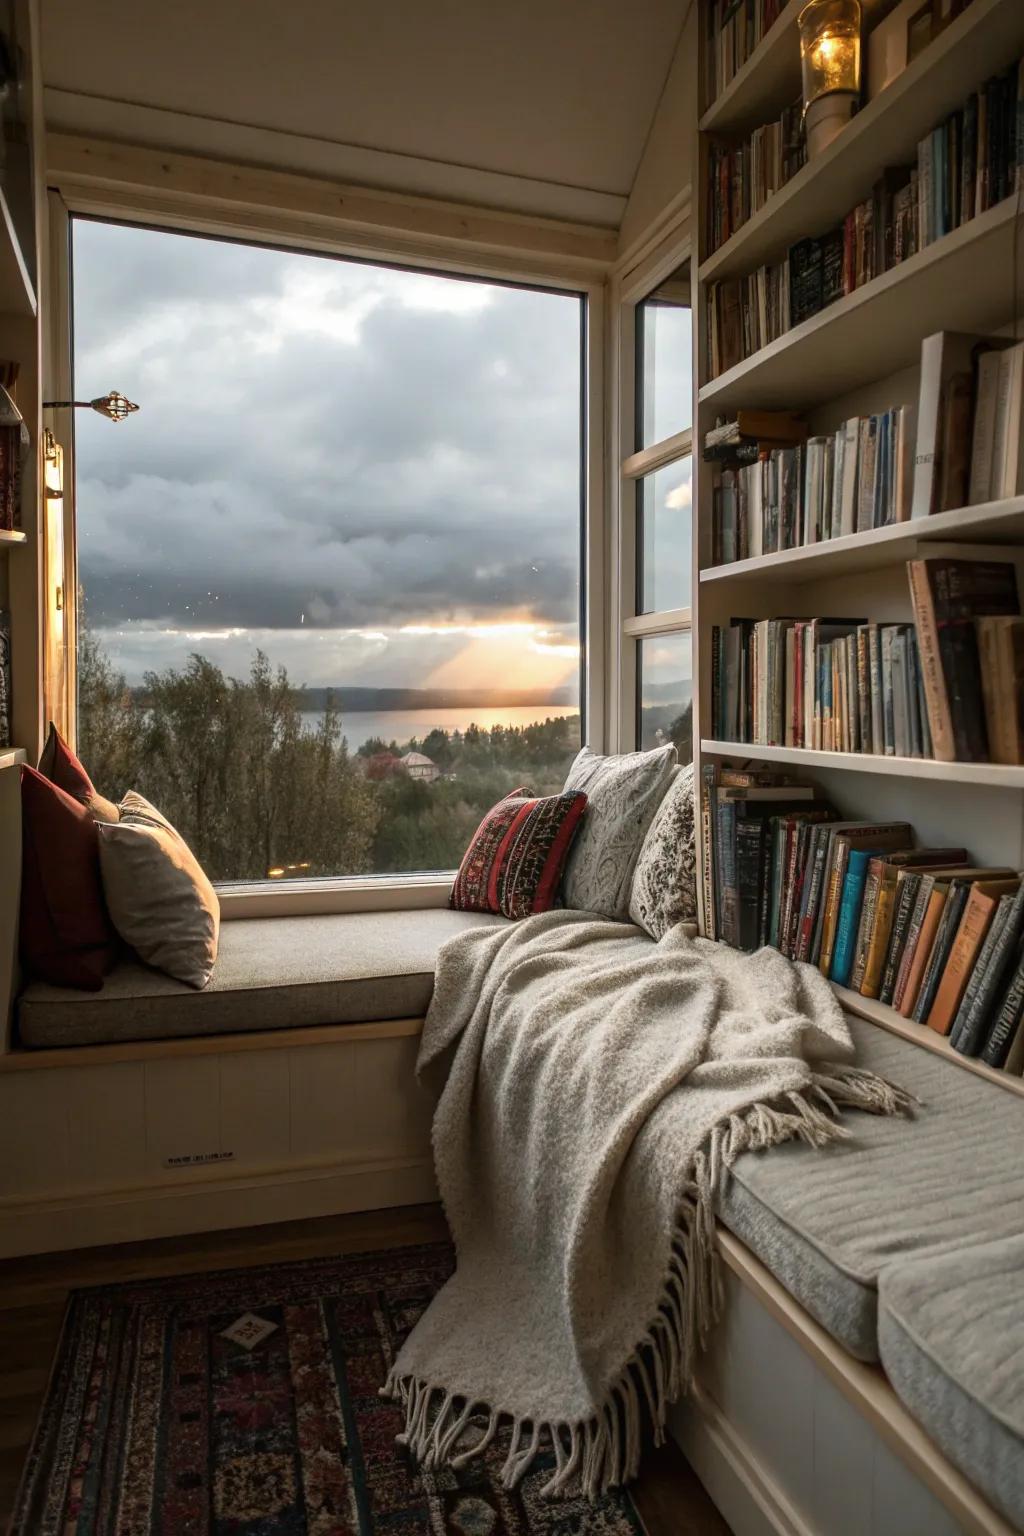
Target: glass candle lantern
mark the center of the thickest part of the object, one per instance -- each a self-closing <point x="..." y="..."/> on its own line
<point x="830" y="62"/>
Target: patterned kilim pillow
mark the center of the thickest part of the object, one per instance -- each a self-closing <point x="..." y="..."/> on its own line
<point x="514" y="863"/>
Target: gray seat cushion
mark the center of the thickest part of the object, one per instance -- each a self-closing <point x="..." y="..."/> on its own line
<point x="826" y="1223"/>
<point x="271" y="973"/>
<point x="952" y="1340"/>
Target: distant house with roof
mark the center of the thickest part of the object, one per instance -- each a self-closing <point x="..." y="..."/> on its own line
<point x="382" y="765"/>
<point x="418" y="766"/>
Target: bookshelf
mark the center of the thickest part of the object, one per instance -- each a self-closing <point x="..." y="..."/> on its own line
<point x="861" y="355"/>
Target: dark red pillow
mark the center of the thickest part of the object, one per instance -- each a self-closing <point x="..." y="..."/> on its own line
<point x="65" y="934"/>
<point x="514" y="863"/>
<point x="59" y="764"/>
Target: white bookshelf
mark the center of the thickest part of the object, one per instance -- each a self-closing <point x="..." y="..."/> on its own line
<point x="849" y="359"/>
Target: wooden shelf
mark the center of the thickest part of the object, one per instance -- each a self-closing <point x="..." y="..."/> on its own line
<point x="17" y="295"/>
<point x="885" y="132"/>
<point x="995" y="522"/>
<point x="12" y="536"/>
<point x="769" y="78"/>
<point x="995" y="775"/>
<point x="963" y="282"/>
<point x="11" y="756"/>
<point x="920" y="1034"/>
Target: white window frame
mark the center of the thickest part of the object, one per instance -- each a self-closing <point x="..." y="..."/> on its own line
<point x="200" y="214"/>
<point x="628" y="466"/>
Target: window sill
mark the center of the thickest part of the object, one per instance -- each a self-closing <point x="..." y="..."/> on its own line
<point x="315" y="898"/>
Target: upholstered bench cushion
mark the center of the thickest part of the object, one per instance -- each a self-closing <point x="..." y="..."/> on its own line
<point x="826" y="1223"/>
<point x="271" y="973"/>
<point x="951" y="1331"/>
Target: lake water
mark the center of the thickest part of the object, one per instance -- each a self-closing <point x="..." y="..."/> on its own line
<point x="401" y="725"/>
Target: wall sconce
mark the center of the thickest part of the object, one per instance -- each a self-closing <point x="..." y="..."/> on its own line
<point x="830" y="63"/>
<point x="114" y="406"/>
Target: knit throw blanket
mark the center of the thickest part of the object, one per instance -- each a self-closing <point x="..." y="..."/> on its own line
<point x="596" y="1088"/>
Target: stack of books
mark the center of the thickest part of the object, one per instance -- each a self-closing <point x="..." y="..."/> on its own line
<point x="733" y="29"/>
<point x="742" y="177"/>
<point x="825" y="685"/>
<point x="968" y="164"/>
<point x="854" y="479"/>
<point x="920" y="929"/>
<point x="971" y="643"/>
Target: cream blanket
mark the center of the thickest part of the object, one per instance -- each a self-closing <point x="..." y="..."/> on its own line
<point x="596" y="1087"/>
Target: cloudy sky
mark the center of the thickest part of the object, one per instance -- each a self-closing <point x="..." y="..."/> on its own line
<point x="374" y="475"/>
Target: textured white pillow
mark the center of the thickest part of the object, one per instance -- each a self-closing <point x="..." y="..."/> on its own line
<point x="159" y="900"/>
<point x="665" y="878"/>
<point x="623" y="793"/>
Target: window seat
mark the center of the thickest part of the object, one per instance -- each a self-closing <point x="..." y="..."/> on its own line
<point x="905" y="1244"/>
<point x="271" y="973"/>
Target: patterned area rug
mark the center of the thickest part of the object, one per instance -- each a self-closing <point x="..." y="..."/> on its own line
<point x="245" y="1404"/>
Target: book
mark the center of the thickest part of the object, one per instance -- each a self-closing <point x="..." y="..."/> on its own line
<point x="918" y="965"/>
<point x="1000" y="641"/>
<point x="952" y="912"/>
<point x="5" y="678"/>
<point x="988" y="979"/>
<point x="944" y="357"/>
<point x="849" y="914"/>
<point x="986" y="410"/>
<point x="978" y="913"/>
<point x="1007" y="1028"/>
<point x="708" y="786"/>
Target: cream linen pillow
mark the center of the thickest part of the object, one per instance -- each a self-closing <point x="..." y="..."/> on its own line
<point x="623" y="793"/>
<point x="159" y="900"/>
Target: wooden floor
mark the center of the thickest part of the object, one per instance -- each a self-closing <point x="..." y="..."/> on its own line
<point x="33" y="1293"/>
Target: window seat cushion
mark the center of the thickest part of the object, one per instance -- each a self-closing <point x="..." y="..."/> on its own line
<point x="271" y="973"/>
<point x="828" y="1223"/>
<point x="952" y="1341"/>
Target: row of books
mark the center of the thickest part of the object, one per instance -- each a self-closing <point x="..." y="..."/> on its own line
<point x="965" y="166"/>
<point x="742" y="177"/>
<point x="969" y="162"/>
<point x="921" y="929"/>
<point x="856" y="478"/>
<point x="733" y="29"/>
<point x="824" y="685"/>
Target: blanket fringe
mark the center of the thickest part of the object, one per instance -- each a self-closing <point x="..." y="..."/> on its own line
<point x="594" y="1454"/>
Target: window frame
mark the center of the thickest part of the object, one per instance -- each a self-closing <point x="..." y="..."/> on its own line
<point x="200" y="214"/>
<point x="627" y="468"/>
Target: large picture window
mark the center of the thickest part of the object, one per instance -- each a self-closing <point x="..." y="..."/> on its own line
<point x="329" y="574"/>
<point x="656" y="487"/>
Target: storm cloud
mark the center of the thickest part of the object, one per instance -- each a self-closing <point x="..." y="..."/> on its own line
<point x="324" y="448"/>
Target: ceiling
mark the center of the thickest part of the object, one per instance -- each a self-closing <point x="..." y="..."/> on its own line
<point x="555" y="93"/>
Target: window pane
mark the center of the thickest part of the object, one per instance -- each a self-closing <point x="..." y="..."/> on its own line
<point x="664" y="373"/>
<point x="330" y="570"/>
<point x="664" y="693"/>
<point x="664" y="538"/>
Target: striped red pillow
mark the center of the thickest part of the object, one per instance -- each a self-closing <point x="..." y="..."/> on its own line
<point x="514" y="863"/>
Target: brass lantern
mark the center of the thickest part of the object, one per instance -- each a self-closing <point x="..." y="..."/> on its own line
<point x="830" y="63"/>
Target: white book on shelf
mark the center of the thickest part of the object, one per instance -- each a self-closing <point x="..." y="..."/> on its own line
<point x="848" y="490"/>
<point x="755" y="511"/>
<point x="943" y="355"/>
<point x="986" y="408"/>
<point x="1008" y="452"/>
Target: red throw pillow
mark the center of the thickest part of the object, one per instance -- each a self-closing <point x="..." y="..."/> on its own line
<point x="59" y="764"/>
<point x="65" y="935"/>
<point x="514" y="863"/>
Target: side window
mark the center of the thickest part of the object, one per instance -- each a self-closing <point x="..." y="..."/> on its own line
<point x="657" y="479"/>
